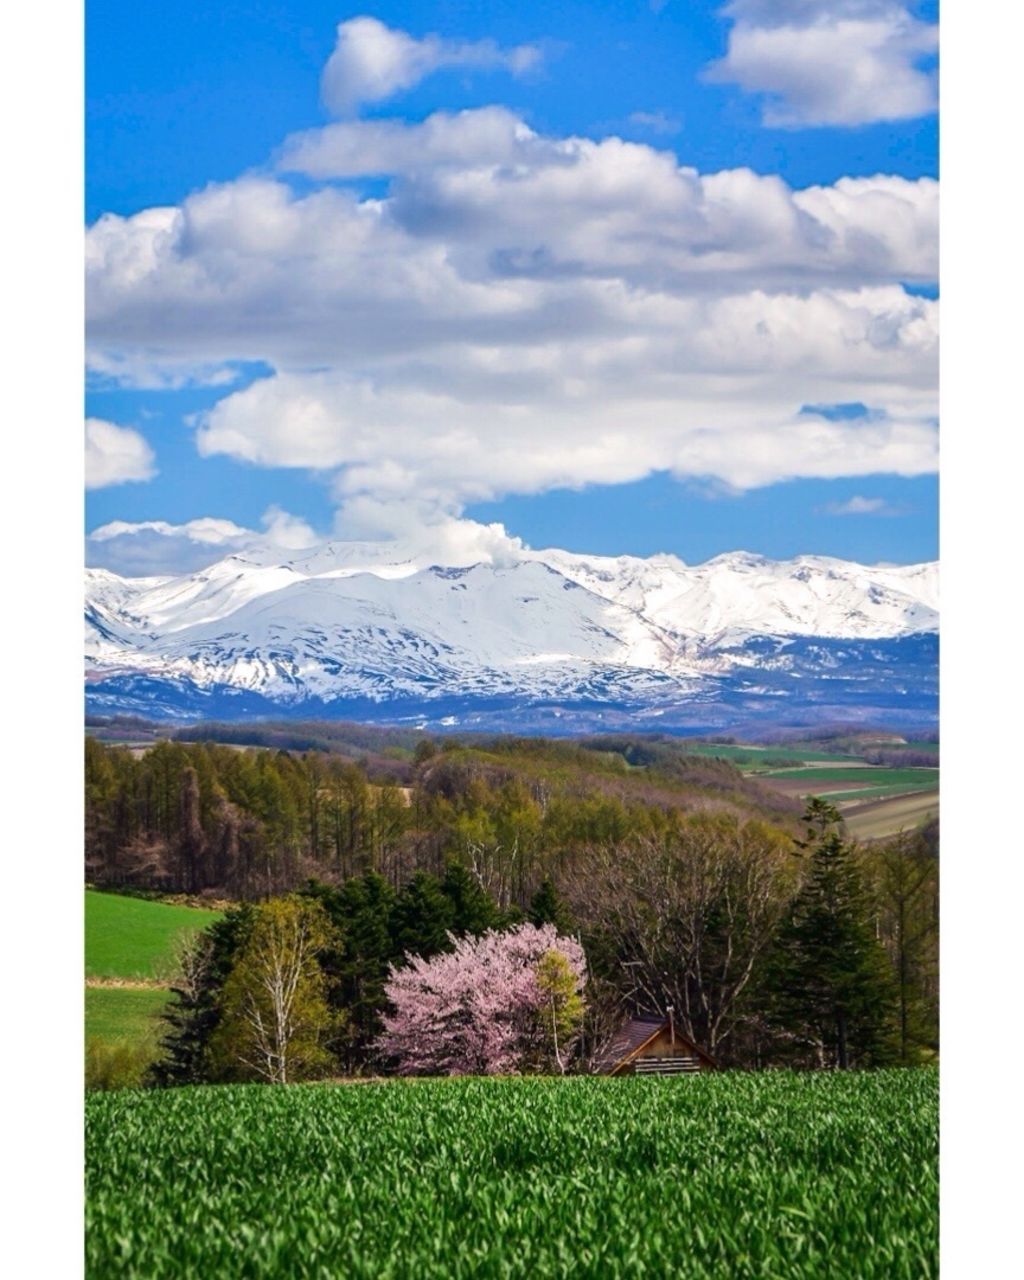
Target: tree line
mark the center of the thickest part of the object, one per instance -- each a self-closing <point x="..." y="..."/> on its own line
<point x="806" y="952"/>
<point x="247" y="824"/>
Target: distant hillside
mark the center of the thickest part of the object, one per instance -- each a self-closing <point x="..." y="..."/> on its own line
<point x="219" y="819"/>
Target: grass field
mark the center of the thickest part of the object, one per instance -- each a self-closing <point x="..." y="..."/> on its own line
<point x="128" y="941"/>
<point x="770" y="1175"/>
<point x="134" y="937"/>
<point x="751" y="758"/>
<point x="860" y="775"/>
<point x="116" y="1014"/>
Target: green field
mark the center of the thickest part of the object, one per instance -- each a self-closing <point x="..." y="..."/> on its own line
<point x="134" y="937"/>
<point x="748" y="758"/>
<point x="115" y="1014"/>
<point x="863" y="794"/>
<point x="746" y="1176"/>
<point x="874" y="775"/>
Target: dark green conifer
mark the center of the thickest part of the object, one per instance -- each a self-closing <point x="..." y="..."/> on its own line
<point x="195" y="1009"/>
<point x="547" y="906"/>
<point x="830" y="980"/>
<point x="473" y="909"/>
<point x="421" y="918"/>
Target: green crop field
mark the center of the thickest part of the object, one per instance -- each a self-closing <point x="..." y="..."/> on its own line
<point x="748" y="1176"/>
<point x="133" y="937"/>
<point x="860" y="795"/>
<point x="869" y="775"/>
<point x="748" y="758"/>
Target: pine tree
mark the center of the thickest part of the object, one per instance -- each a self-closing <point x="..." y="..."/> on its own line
<point x="473" y="909"/>
<point x="358" y="968"/>
<point x="421" y="918"/>
<point x="195" y="1009"/>
<point x="830" y="980"/>
<point x="547" y="906"/>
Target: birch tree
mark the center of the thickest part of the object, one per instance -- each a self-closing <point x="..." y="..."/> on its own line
<point x="276" y="1014"/>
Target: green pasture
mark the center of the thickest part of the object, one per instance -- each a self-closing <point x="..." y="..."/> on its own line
<point x="864" y="794"/>
<point x="748" y="757"/>
<point x="134" y="937"/>
<point x="115" y="1014"/>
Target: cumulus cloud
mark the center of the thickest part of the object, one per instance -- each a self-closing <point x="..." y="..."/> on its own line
<point x="519" y="312"/>
<point x="831" y="62"/>
<point x="147" y="547"/>
<point x="399" y="444"/>
<point x="289" y="532"/>
<point x="372" y="62"/>
<point x="206" y="529"/>
<point x="114" y="455"/>
<point x="417" y="532"/>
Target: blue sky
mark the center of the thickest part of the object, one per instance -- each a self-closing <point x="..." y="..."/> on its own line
<point x="574" y="321"/>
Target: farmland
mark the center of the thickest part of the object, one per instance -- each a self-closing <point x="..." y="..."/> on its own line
<point x="134" y="938"/>
<point x="755" y="1175"/>
<point x="129" y="952"/>
<point x="876" y="800"/>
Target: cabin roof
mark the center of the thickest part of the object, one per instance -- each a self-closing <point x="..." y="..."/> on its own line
<point x="632" y="1036"/>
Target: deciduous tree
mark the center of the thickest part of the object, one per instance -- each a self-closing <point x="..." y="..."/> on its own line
<point x="493" y="1005"/>
<point x="276" y="1015"/>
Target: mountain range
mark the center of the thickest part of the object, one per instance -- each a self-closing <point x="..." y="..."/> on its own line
<point x="546" y="640"/>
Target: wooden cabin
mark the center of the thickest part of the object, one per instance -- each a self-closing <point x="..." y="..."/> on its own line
<point x="653" y="1046"/>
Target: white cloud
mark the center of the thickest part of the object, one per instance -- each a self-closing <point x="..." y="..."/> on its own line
<point x="145" y="547"/>
<point x="372" y="62"/>
<point x="860" y="506"/>
<point x="114" y="455"/>
<point x="656" y="121"/>
<point x="289" y="532"/>
<point x="520" y="312"/>
<point x="831" y="62"/>
<point x="207" y="529"/>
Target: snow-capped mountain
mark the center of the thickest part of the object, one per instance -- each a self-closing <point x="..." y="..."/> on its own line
<point x="373" y="630"/>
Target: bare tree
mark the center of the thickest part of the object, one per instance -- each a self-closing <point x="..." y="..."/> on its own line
<point x="686" y="917"/>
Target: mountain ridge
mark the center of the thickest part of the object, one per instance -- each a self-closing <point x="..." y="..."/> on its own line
<point x="375" y="625"/>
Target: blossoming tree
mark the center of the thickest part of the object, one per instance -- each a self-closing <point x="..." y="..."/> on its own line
<point x="501" y="1003"/>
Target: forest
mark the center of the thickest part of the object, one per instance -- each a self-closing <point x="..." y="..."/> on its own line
<point x="776" y="939"/>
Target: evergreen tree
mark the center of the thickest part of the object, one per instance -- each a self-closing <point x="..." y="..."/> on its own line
<point x="547" y="906"/>
<point x="474" y="911"/>
<point x="358" y="967"/>
<point x="830" y="980"/>
<point x="195" y="1009"/>
<point x="421" y="918"/>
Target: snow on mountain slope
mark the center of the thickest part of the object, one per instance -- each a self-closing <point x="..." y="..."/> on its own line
<point x="370" y="621"/>
<point x="739" y="593"/>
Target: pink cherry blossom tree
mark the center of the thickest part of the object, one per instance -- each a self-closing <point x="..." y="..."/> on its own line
<point x="498" y="1004"/>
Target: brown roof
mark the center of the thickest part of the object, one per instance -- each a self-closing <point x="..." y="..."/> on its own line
<point x="632" y="1034"/>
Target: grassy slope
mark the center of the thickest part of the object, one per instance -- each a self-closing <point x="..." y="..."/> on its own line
<point x="118" y="1014"/>
<point x="130" y="939"/>
<point x="745" y="1175"/>
<point x="133" y="937"/>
